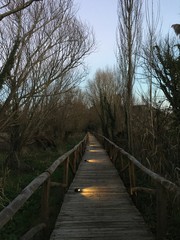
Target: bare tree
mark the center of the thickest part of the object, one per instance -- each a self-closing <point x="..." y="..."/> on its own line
<point x="152" y="14"/>
<point x="9" y="7"/>
<point x="152" y="22"/>
<point x="128" y="42"/>
<point x="165" y="67"/>
<point x="52" y="44"/>
<point x="103" y="92"/>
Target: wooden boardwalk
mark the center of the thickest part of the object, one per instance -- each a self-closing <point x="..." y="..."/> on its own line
<point x="103" y="209"/>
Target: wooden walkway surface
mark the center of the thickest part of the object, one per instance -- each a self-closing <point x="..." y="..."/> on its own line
<point x="103" y="210"/>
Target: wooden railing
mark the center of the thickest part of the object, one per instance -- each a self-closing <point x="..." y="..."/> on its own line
<point x="70" y="160"/>
<point x="163" y="188"/>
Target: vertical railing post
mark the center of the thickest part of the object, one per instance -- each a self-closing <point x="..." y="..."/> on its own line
<point x="121" y="161"/>
<point x="83" y="147"/>
<point x="45" y="201"/>
<point x="104" y="143"/>
<point x="111" y="152"/>
<point x="75" y="161"/>
<point x="115" y="154"/>
<point x="85" y="142"/>
<point x="161" y="208"/>
<point x="87" y="138"/>
<point x="132" y="180"/>
<point x="117" y="160"/>
<point x="66" y="173"/>
<point x="79" y="154"/>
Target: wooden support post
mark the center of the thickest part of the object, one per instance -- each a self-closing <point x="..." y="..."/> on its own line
<point x="78" y="156"/>
<point x="161" y="212"/>
<point x="109" y="149"/>
<point x="82" y="148"/>
<point x="45" y="201"/>
<point x="84" y="145"/>
<point x="87" y="138"/>
<point x="132" y="180"/>
<point x="115" y="157"/>
<point x="66" y="172"/>
<point x="121" y="162"/>
<point x="112" y="154"/>
<point x="105" y="145"/>
<point x="80" y="153"/>
<point x="75" y="162"/>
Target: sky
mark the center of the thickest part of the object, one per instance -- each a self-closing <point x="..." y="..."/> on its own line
<point x="101" y="15"/>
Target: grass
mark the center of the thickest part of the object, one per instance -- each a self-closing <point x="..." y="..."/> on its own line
<point x="15" y="181"/>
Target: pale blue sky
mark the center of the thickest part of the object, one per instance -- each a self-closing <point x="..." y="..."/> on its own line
<point x="102" y="16"/>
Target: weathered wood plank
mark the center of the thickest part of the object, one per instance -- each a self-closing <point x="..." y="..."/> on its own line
<point x="103" y="208"/>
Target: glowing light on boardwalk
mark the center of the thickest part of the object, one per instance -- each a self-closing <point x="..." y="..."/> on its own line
<point x="92" y="161"/>
<point x="95" y="151"/>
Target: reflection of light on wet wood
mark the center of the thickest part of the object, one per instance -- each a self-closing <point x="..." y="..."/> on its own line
<point x="86" y="192"/>
<point x="94" y="151"/>
<point x="94" y="193"/>
<point x="93" y="161"/>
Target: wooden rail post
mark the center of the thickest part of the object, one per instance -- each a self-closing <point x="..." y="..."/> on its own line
<point x="66" y="172"/>
<point x="104" y="144"/>
<point x="82" y="148"/>
<point x="80" y="153"/>
<point x="84" y="145"/>
<point x="132" y="180"/>
<point x="121" y="162"/>
<point x="161" y="201"/>
<point x="114" y="156"/>
<point x="45" y="201"/>
<point x="111" y="153"/>
<point x="75" y="162"/>
<point x="109" y="149"/>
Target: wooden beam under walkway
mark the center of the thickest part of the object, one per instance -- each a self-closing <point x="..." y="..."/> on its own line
<point x="102" y="210"/>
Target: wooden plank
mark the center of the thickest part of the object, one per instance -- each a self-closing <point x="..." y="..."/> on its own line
<point x="103" y="208"/>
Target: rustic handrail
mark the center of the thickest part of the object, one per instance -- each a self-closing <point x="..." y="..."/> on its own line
<point x="163" y="185"/>
<point x="168" y="185"/>
<point x="8" y="212"/>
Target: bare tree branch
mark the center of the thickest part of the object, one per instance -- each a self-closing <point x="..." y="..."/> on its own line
<point x="17" y="9"/>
